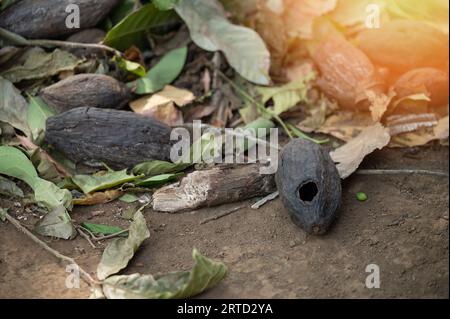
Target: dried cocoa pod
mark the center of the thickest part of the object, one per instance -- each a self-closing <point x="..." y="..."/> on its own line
<point x="346" y="73"/>
<point x="402" y="45"/>
<point x="432" y="81"/>
<point x="90" y="90"/>
<point x="41" y="19"/>
<point x="309" y="185"/>
<point x="118" y="138"/>
<point x="87" y="36"/>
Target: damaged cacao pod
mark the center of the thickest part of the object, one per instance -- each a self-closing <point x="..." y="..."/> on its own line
<point x="402" y="45"/>
<point x="433" y="82"/>
<point x="346" y="73"/>
<point x="90" y="90"/>
<point x="309" y="185"/>
<point x="42" y="19"/>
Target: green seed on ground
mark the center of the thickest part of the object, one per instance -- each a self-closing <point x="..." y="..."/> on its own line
<point x="362" y="197"/>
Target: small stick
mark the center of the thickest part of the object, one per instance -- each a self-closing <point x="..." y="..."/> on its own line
<point x="265" y="200"/>
<point x="223" y="214"/>
<point x="400" y="172"/>
<point x="85" y="236"/>
<point x="88" y="278"/>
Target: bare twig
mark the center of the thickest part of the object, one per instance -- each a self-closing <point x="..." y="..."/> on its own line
<point x="400" y="172"/>
<point x="85" y="236"/>
<point x="104" y="237"/>
<point x="223" y="214"/>
<point x="86" y="276"/>
<point x="21" y="41"/>
<point x="265" y="200"/>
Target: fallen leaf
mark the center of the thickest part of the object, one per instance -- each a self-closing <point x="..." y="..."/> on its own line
<point x="163" y="73"/>
<point x="3" y="212"/>
<point x="129" y="198"/>
<point x="98" y="182"/>
<point x="244" y="49"/>
<point x="13" y="107"/>
<point x="345" y="125"/>
<point x="120" y="251"/>
<point x="318" y="113"/>
<point x="14" y="163"/>
<point x="379" y="103"/>
<point x="351" y="155"/>
<point x="97" y="198"/>
<point x="158" y="180"/>
<point x="37" y="115"/>
<point x="153" y="168"/>
<point x="399" y="124"/>
<point x="9" y="188"/>
<point x="130" y="66"/>
<point x="205" y="274"/>
<point x="98" y="229"/>
<point x="57" y="224"/>
<point x="37" y="63"/>
<point x="423" y="135"/>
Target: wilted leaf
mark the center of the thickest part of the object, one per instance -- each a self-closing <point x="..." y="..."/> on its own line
<point x="120" y="251"/>
<point x="158" y="180"/>
<point x="13" y="107"/>
<point x="9" y="188"/>
<point x="379" y="103"/>
<point x="93" y="183"/>
<point x="287" y="96"/>
<point x="98" y="229"/>
<point x="131" y="30"/>
<point x="38" y="113"/>
<point x="205" y="274"/>
<point x="15" y="164"/>
<point x="153" y="168"/>
<point x="130" y="66"/>
<point x="165" y="4"/>
<point x="345" y="125"/>
<point x="244" y="49"/>
<point x="57" y="224"/>
<point x="129" y="198"/>
<point x="98" y="198"/>
<point x="163" y="73"/>
<point x="3" y="212"/>
<point x="351" y="155"/>
<point x="36" y="64"/>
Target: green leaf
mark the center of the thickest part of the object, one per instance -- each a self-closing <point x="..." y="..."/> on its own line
<point x="158" y="180"/>
<point x="14" y="163"/>
<point x="120" y="251"/>
<point x="13" y="107"/>
<point x="131" y="30"/>
<point x="164" y="5"/>
<point x="297" y="132"/>
<point x="121" y="11"/>
<point x="205" y="274"/>
<point x="153" y="168"/>
<point x="57" y="224"/>
<point x="98" y="229"/>
<point x="129" y="198"/>
<point x="9" y="188"/>
<point x="3" y="212"/>
<point x="165" y="72"/>
<point x="38" y="113"/>
<point x="93" y="183"/>
<point x="130" y="66"/>
<point x="244" y="49"/>
<point x="37" y="63"/>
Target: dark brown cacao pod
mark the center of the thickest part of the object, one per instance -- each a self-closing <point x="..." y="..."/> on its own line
<point x="41" y="19"/>
<point x="309" y="185"/>
<point x="90" y="90"/>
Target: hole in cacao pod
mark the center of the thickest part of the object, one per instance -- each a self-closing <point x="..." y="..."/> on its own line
<point x="308" y="191"/>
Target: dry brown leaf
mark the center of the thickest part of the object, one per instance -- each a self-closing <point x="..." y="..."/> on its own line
<point x="98" y="198"/>
<point x="346" y="125"/>
<point x="351" y="155"/>
<point x="379" y="103"/>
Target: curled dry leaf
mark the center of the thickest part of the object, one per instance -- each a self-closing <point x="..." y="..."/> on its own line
<point x="351" y="155"/>
<point x="98" y="198"/>
<point x="346" y="125"/>
<point x="379" y="103"/>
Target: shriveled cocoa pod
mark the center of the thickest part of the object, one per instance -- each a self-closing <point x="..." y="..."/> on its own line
<point x="346" y="73"/>
<point x="41" y="19"/>
<point x="87" y="36"/>
<point x="402" y="45"/>
<point x="309" y="185"/>
<point x="90" y="90"/>
<point x="120" y="139"/>
<point x="431" y="81"/>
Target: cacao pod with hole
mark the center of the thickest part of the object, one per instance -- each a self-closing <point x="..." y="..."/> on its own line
<point x="402" y="45"/>
<point x="431" y="81"/>
<point x="309" y="185"/>
<point x="346" y="73"/>
<point x="90" y="90"/>
<point x="42" y="19"/>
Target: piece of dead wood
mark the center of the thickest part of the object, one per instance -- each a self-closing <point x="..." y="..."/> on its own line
<point x="117" y="138"/>
<point x="213" y="187"/>
<point x="221" y="215"/>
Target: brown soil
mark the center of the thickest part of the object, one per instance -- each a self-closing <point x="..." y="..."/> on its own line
<point x="403" y="228"/>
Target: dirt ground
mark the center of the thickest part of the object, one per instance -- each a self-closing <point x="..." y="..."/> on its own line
<point x="403" y="228"/>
